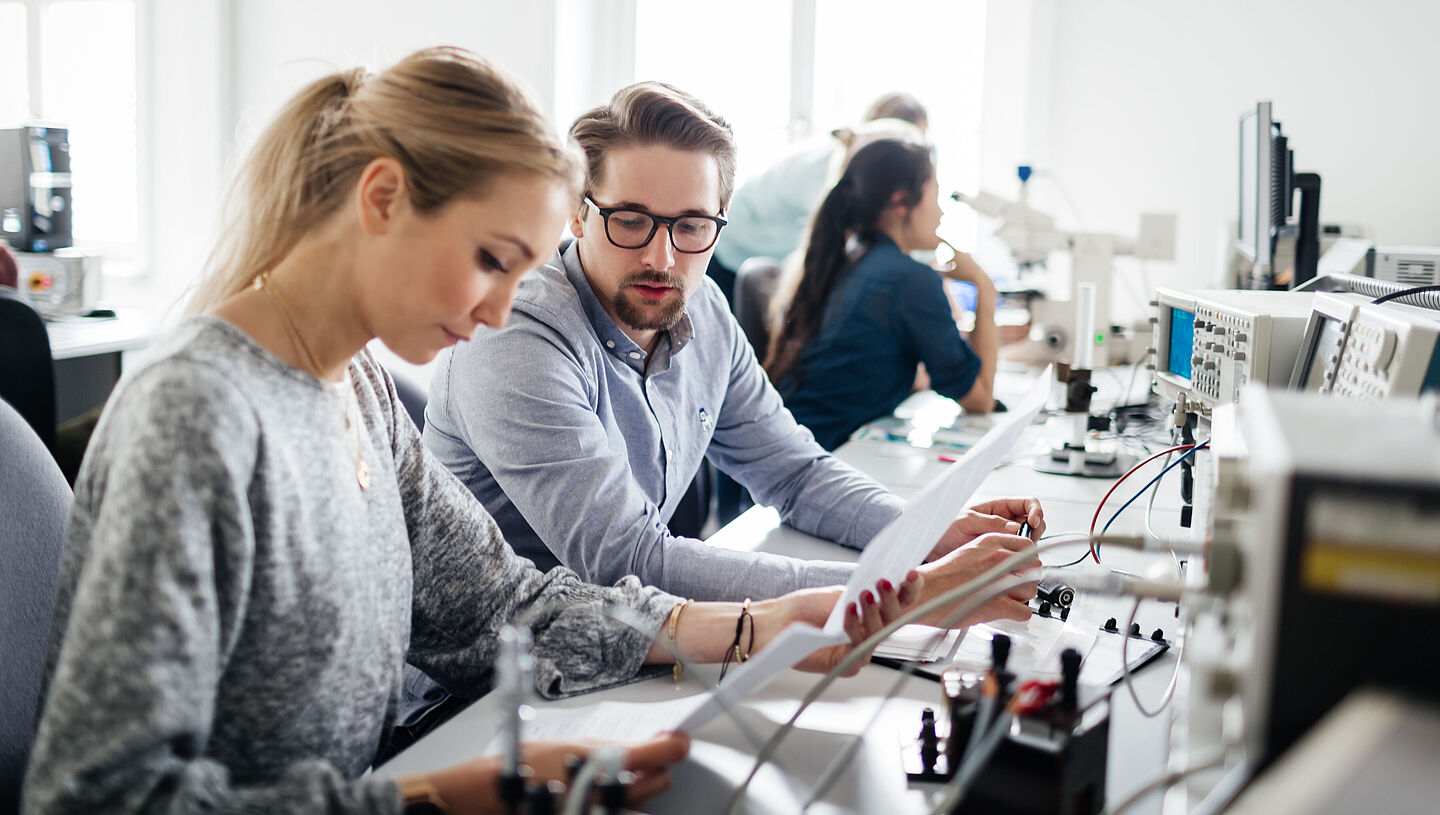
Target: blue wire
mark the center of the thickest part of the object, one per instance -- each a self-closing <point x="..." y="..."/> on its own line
<point x="1188" y="453"/>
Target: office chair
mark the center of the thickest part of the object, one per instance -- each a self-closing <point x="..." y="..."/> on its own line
<point x="27" y="374"/>
<point x="34" y="508"/>
<point x="755" y="284"/>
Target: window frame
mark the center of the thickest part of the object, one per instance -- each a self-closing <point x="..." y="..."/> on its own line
<point x="120" y="258"/>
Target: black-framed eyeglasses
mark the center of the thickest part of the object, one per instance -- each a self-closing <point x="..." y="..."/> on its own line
<point x="634" y="228"/>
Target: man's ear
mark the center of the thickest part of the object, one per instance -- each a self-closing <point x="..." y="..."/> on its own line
<point x="381" y="194"/>
<point x="577" y="221"/>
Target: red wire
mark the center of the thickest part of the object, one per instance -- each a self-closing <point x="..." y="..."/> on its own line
<point x="1094" y="519"/>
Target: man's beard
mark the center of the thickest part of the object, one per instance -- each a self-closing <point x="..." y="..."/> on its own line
<point x="646" y="317"/>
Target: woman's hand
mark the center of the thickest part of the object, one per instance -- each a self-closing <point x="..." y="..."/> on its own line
<point x="963" y="267"/>
<point x="968" y="562"/>
<point x="472" y="787"/>
<point x="1002" y="515"/>
<point x="876" y="609"/>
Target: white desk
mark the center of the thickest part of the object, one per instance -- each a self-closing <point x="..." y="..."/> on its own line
<point x="89" y="355"/>
<point x="875" y="782"/>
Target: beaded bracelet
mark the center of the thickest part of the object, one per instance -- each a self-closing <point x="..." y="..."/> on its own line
<point x="734" y="650"/>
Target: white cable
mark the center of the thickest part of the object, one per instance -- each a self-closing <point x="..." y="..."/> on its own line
<point x="603" y="760"/>
<point x="1166" y="781"/>
<point x="949" y="796"/>
<point x="862" y="651"/>
<point x="1128" y="677"/>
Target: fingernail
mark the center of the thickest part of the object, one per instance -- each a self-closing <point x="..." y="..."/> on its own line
<point x="886" y="585"/>
<point x="854" y="610"/>
<point x="867" y="597"/>
<point x="912" y="575"/>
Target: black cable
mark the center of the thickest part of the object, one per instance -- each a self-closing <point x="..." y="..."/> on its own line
<point x="1396" y="295"/>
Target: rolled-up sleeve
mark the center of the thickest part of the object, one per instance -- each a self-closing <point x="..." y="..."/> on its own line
<point x="541" y="438"/>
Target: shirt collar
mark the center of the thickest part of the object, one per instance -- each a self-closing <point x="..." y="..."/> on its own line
<point x="609" y="334"/>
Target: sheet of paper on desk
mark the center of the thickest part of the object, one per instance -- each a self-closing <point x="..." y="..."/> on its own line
<point x="919" y="643"/>
<point x="903" y="544"/>
<point x="611" y="721"/>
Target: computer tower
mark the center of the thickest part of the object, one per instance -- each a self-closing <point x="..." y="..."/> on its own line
<point x="35" y="188"/>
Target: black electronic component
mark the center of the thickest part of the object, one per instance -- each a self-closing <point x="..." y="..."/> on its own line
<point x="929" y="741"/>
<point x="512" y="790"/>
<point x="543" y="799"/>
<point x="1052" y="761"/>
<point x="1055" y="593"/>
<point x="613" y="792"/>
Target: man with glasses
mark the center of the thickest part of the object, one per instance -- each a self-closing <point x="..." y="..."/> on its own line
<point x="625" y="370"/>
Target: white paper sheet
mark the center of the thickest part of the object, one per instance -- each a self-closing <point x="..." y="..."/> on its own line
<point x="785" y="651"/>
<point x="903" y="544"/>
<point x="900" y="547"/>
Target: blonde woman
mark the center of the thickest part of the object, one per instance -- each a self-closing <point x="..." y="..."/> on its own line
<point x="259" y="540"/>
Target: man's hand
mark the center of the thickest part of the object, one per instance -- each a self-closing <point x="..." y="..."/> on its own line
<point x="1002" y="515"/>
<point x="969" y="562"/>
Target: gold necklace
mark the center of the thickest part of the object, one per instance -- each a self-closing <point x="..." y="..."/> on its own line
<point x="341" y="404"/>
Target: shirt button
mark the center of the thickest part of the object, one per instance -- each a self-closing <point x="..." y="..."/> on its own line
<point x="609" y="343"/>
<point x="634" y="354"/>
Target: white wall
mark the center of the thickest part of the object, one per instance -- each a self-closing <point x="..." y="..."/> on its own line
<point x="1133" y="105"/>
<point x="281" y="44"/>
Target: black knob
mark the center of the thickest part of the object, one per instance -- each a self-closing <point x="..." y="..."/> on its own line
<point x="1158" y="636"/>
<point x="1070" y="678"/>
<point x="999" y="652"/>
<point x="1044" y="608"/>
<point x="1111" y="625"/>
<point x="1065" y="612"/>
<point x="1134" y="629"/>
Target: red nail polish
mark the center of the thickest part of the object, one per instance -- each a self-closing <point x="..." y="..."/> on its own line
<point x="886" y="585"/>
<point x="867" y="597"/>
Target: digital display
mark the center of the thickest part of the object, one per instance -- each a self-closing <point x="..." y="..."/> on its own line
<point x="1182" y="341"/>
<point x="1327" y="344"/>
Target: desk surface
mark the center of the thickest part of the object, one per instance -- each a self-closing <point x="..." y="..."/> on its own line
<point x="722" y="753"/>
<point x="72" y="337"/>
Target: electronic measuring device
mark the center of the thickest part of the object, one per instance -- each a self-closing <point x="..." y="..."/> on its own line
<point x="1338" y="539"/>
<point x="1209" y="344"/>
<point x="1355" y="348"/>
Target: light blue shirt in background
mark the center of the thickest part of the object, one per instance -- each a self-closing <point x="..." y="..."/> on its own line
<point x="581" y="445"/>
<point x="770" y="212"/>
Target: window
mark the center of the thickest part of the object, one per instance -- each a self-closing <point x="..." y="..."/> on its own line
<point x="735" y="57"/>
<point x="73" y="63"/>
<point x="784" y="72"/>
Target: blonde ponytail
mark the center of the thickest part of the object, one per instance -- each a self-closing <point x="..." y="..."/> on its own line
<point x="453" y="122"/>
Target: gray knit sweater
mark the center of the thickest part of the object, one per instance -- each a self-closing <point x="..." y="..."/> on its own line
<point x="235" y="612"/>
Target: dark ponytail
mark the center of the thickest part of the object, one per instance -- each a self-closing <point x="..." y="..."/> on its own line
<point x="852" y="208"/>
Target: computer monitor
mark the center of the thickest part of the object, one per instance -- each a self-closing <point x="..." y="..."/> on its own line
<point x="1268" y="183"/>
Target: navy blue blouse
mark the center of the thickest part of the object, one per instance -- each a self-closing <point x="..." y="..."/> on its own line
<point x="888" y="314"/>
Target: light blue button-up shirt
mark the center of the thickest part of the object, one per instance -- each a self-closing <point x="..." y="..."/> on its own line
<point x="581" y="445"/>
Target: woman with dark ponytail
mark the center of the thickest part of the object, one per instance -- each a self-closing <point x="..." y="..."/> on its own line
<point x="865" y="315"/>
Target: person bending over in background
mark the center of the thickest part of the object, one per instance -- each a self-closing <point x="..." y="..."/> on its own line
<point x="259" y="539"/>
<point x="771" y="211"/>
<point x="865" y="315"/>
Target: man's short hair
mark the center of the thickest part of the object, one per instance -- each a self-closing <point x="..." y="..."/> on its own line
<point x="649" y="114"/>
<point x="898" y="105"/>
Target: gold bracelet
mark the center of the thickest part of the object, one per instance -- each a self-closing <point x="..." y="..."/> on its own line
<point x="418" y="794"/>
<point x="674" y="643"/>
